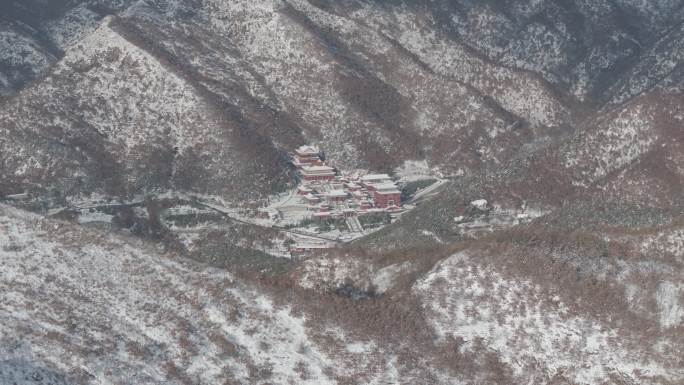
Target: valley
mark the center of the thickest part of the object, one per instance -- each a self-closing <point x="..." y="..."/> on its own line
<point x="198" y="192"/>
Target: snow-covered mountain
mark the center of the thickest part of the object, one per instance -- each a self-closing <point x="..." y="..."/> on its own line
<point x="80" y="306"/>
<point x="377" y="83"/>
<point x="92" y="312"/>
<point x="566" y="118"/>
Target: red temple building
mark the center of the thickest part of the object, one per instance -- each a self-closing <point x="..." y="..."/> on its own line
<point x="336" y="196"/>
<point x="370" y="180"/>
<point x="307" y="156"/>
<point x="314" y="173"/>
<point x="386" y="195"/>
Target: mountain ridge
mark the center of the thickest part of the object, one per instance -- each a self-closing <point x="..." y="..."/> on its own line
<point x="144" y="153"/>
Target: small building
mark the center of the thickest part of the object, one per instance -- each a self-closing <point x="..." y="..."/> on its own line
<point x="306" y="247"/>
<point x="386" y="195"/>
<point x="336" y="196"/>
<point x="317" y="173"/>
<point x="480" y="204"/>
<point x="307" y="156"/>
<point x="371" y="179"/>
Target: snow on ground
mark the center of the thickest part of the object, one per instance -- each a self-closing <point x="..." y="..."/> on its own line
<point x="117" y="62"/>
<point x="96" y="216"/>
<point x="497" y="218"/>
<point x="73" y="26"/>
<point x="296" y="69"/>
<point x="621" y="141"/>
<point x="384" y="279"/>
<point x="73" y="297"/>
<point x="324" y="273"/>
<point x="526" y="325"/>
<point x="145" y="118"/>
<point x="414" y="170"/>
<point x="669" y="296"/>
<point x="431" y="234"/>
<point x="330" y="273"/>
<point x="21" y="53"/>
<point x="4" y="85"/>
<point x="515" y="91"/>
<point x="667" y="241"/>
<point x="280" y="345"/>
<point x="671" y="310"/>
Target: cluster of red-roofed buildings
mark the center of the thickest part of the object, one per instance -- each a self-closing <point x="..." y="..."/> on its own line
<point x="311" y="166"/>
<point x="330" y="194"/>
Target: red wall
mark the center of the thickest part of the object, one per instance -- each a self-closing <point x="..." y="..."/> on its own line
<point x="331" y="177"/>
<point x="383" y="200"/>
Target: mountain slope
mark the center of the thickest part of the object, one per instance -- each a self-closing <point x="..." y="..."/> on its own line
<point x="549" y="253"/>
<point x="80" y="301"/>
<point x="111" y="116"/>
<point x="228" y="117"/>
<point x="511" y="309"/>
<point x="378" y="84"/>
